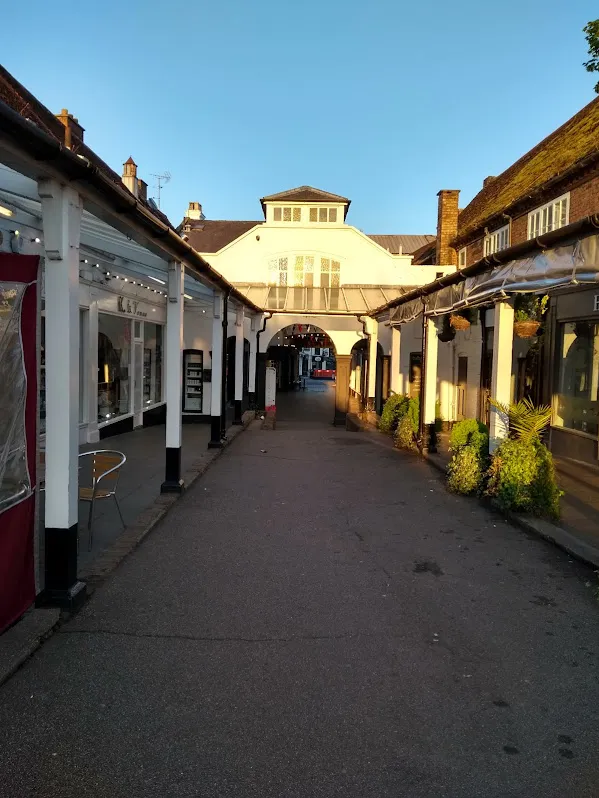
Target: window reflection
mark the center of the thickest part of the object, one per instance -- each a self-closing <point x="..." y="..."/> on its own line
<point x="577" y="398"/>
<point x="114" y="359"/>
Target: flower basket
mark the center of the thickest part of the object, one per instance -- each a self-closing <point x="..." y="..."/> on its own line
<point x="526" y="329"/>
<point x="459" y="322"/>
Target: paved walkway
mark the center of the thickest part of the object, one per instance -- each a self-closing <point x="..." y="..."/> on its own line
<point x="318" y="617"/>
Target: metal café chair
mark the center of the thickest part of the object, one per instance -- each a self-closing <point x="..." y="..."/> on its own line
<point x="105" y="472"/>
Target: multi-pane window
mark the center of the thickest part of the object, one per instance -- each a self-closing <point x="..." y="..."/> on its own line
<point x="304" y="270"/>
<point x="323" y="214"/>
<point x="549" y="217"/>
<point x="287" y="214"/>
<point x="330" y="273"/>
<point x="498" y="240"/>
<point x="277" y="271"/>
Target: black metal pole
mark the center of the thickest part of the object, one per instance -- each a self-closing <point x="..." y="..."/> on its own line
<point x="421" y="430"/>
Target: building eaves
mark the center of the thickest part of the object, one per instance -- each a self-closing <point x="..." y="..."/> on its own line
<point x="212" y="235"/>
<point x="587" y="225"/>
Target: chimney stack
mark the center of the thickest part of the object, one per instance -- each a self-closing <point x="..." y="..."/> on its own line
<point x="195" y="211"/>
<point x="130" y="176"/>
<point x="73" y="132"/>
<point x="447" y="227"/>
<point x="488" y="180"/>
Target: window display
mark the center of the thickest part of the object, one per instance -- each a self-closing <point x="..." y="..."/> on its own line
<point x="114" y="362"/>
<point x="152" y="364"/>
<point x="577" y="396"/>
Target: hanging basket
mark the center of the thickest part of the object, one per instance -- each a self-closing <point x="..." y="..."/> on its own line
<point x="526" y="329"/>
<point x="459" y="322"/>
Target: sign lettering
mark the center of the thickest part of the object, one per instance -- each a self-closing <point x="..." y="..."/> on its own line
<point x="125" y="305"/>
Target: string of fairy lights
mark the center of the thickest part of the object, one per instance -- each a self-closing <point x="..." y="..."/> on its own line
<point x="130" y="280"/>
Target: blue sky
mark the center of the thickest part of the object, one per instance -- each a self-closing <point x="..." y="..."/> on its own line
<point x="385" y="102"/>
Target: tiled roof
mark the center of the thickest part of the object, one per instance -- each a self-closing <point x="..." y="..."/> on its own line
<point x="409" y="244"/>
<point x="305" y="194"/>
<point x="210" y="235"/>
<point x="566" y="147"/>
<point x="425" y="255"/>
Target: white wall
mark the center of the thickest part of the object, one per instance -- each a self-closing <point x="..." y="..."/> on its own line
<point x="344" y="331"/>
<point x="363" y="262"/>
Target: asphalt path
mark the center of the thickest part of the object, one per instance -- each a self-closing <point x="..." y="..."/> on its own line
<point x="318" y="617"/>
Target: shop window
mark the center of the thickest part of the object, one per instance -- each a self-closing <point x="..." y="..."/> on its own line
<point x="114" y="366"/>
<point x="577" y="398"/>
<point x="152" y="376"/>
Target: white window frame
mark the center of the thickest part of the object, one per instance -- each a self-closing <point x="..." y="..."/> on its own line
<point x="497" y="240"/>
<point x="543" y="219"/>
<point x="462" y="257"/>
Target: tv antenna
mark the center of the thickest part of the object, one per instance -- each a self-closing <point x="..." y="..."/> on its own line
<point x="161" y="180"/>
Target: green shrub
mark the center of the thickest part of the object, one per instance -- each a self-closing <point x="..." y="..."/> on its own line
<point x="525" y="420"/>
<point x="469" y="432"/>
<point x="465" y="471"/>
<point x="395" y="408"/>
<point x="404" y="434"/>
<point x="413" y="413"/>
<point x="521" y="478"/>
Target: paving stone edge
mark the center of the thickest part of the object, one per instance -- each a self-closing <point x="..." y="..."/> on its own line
<point x="554" y="533"/>
<point x="48" y="621"/>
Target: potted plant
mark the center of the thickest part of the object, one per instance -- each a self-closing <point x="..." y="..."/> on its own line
<point x="446" y="332"/>
<point x="528" y="314"/>
<point x="461" y="319"/>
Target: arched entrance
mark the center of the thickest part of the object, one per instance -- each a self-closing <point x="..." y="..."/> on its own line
<point x="305" y="358"/>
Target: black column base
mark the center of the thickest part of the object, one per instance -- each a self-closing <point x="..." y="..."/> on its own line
<point x="216" y="441"/>
<point x="61" y="586"/>
<point x="430" y="438"/>
<point x="70" y="599"/>
<point x="237" y="418"/>
<point x="252" y="401"/>
<point x="340" y="419"/>
<point x="172" y="472"/>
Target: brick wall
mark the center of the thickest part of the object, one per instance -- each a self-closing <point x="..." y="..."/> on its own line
<point x="584" y="199"/>
<point x="447" y="227"/>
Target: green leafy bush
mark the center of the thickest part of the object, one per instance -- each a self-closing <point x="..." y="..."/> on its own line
<point x="469" y="432"/>
<point x="466" y="470"/>
<point x="404" y="434"/>
<point x="395" y="408"/>
<point x="521" y="478"/>
<point x="413" y="413"/>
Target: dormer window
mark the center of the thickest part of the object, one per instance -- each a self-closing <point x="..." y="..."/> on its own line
<point x="287" y="214"/>
<point x="323" y="214"/>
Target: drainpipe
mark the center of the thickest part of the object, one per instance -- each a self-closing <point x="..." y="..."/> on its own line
<point x="259" y="332"/>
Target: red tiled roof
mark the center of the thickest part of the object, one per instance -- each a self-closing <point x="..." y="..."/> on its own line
<point x="562" y="150"/>
<point x="210" y="235"/>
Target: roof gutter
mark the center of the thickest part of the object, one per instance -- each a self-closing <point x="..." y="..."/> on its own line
<point x="588" y="224"/>
<point x="35" y="142"/>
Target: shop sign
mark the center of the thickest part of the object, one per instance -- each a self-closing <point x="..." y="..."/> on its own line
<point x="131" y="306"/>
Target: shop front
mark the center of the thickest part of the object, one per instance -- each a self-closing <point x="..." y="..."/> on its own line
<point x="121" y="360"/>
<point x="575" y="375"/>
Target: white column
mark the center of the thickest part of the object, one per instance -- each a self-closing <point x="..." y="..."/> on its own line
<point x="372" y="327"/>
<point x="396" y="375"/>
<point x="501" y="376"/>
<point x="217" y="370"/>
<point x="61" y="211"/>
<point x="254" y="324"/>
<point x="430" y="371"/>
<point x="238" y="366"/>
<point x="173" y="482"/>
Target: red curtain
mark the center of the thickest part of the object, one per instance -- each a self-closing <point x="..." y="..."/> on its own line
<point x="17" y="576"/>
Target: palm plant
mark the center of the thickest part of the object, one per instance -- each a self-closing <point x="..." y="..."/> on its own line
<point x="525" y="421"/>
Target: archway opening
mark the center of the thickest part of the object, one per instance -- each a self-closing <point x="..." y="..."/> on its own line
<point x="305" y="361"/>
<point x="362" y="396"/>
